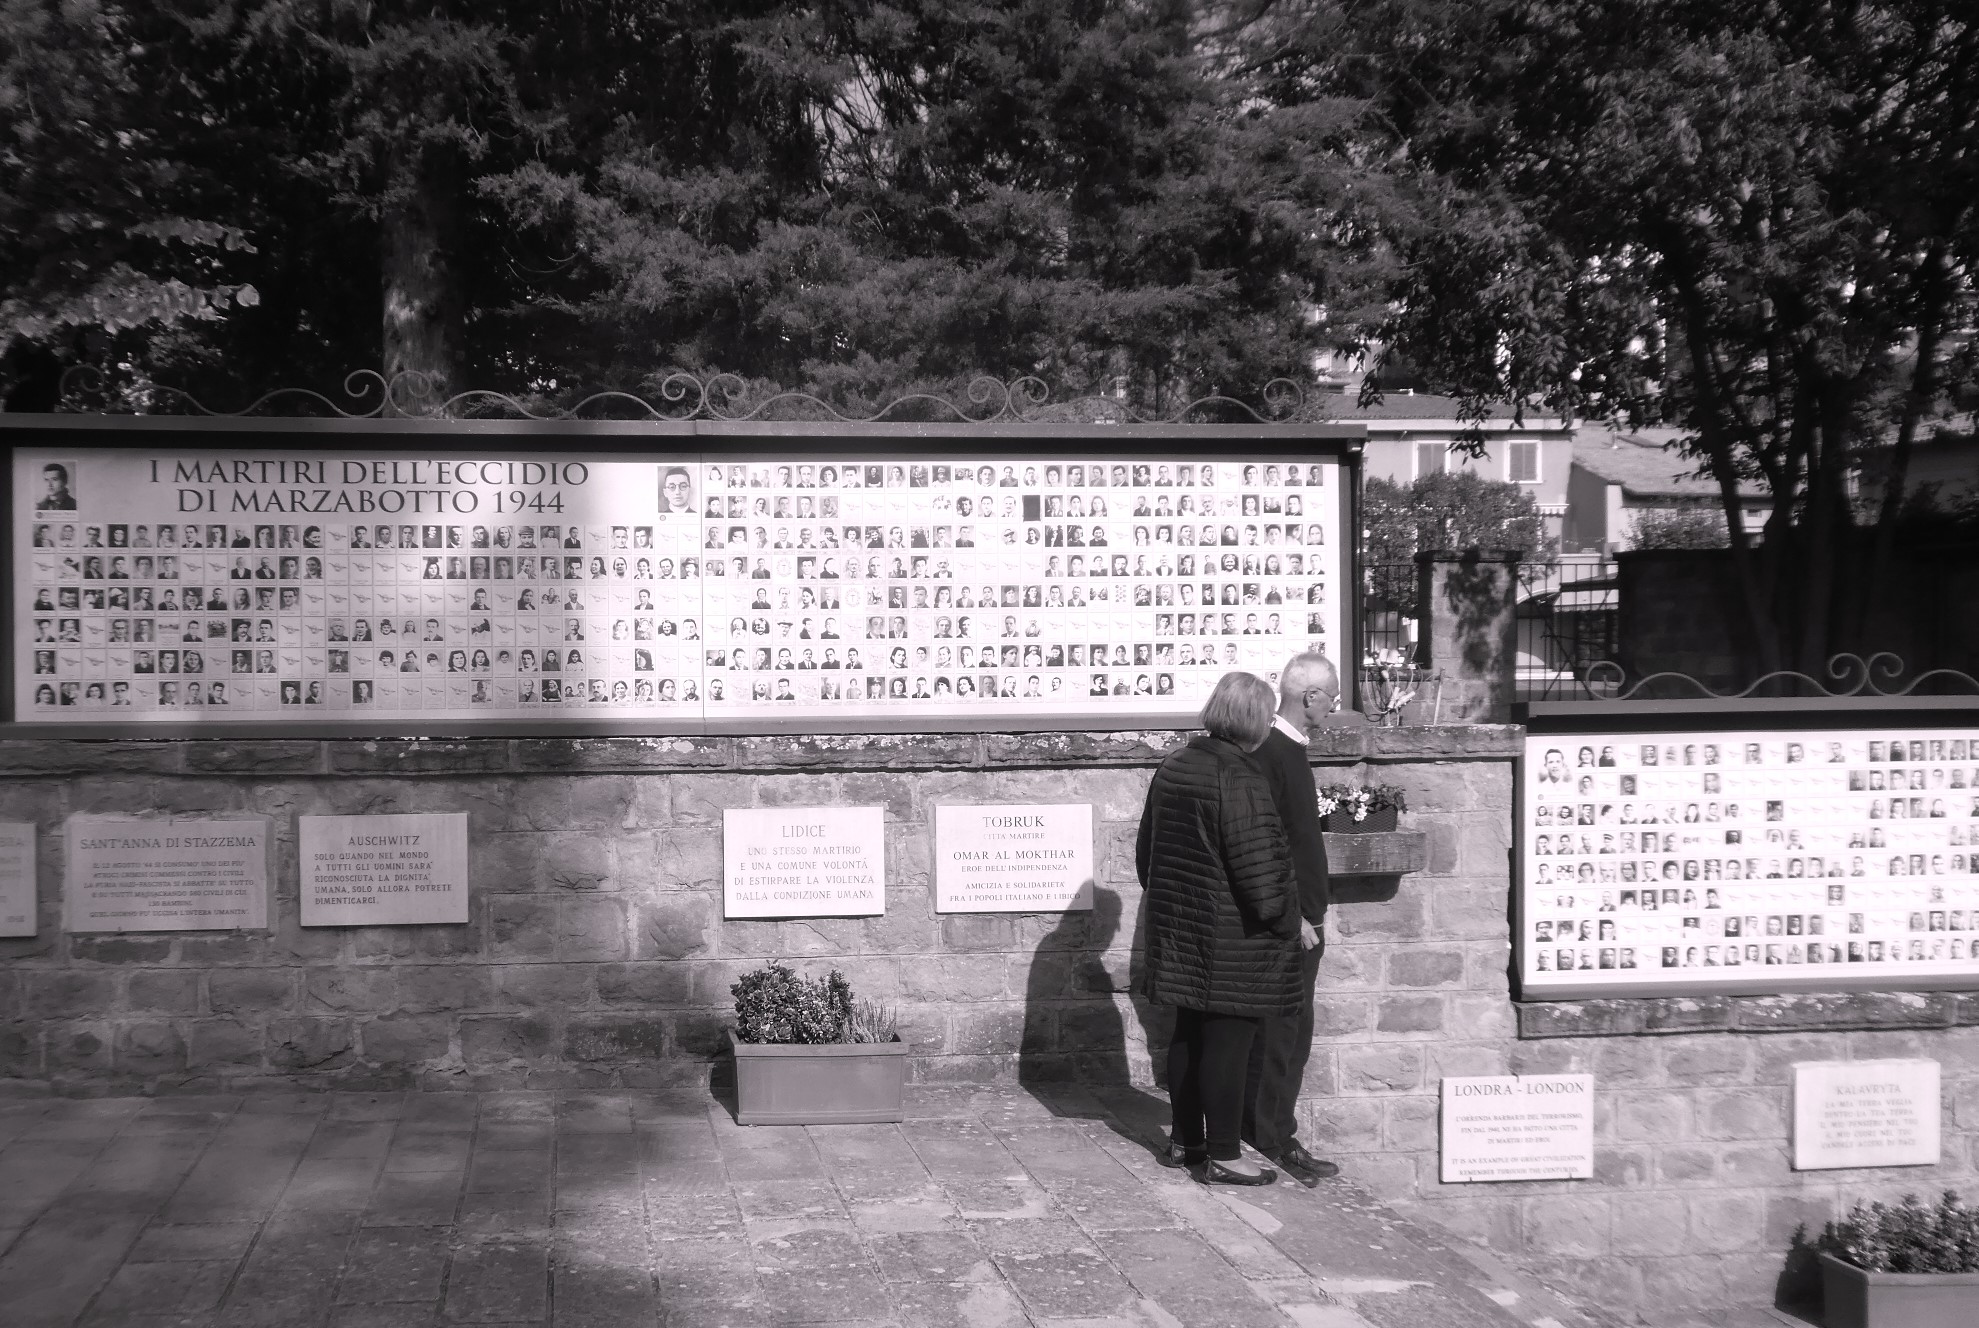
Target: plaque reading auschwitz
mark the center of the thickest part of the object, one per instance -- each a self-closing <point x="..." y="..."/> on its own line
<point x="803" y="862"/>
<point x="1014" y="859"/>
<point x="17" y="902"/>
<point x="1518" y="1127"/>
<point x="133" y="875"/>
<point x="1750" y="860"/>
<point x="360" y="871"/>
<point x="173" y="585"/>
<point x="1865" y="1114"/>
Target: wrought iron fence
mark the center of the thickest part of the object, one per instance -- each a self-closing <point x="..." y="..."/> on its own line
<point x="1567" y="614"/>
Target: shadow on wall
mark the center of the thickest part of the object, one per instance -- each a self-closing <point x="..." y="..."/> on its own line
<point x="1075" y="1047"/>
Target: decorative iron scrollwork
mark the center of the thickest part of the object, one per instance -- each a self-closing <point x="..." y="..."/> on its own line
<point x="1852" y="675"/>
<point x="720" y="397"/>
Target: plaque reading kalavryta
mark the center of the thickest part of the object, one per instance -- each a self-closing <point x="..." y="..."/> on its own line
<point x="17" y="907"/>
<point x="133" y="875"/>
<point x="174" y="585"/>
<point x="803" y="862"/>
<point x="1518" y="1127"/>
<point x="362" y="871"/>
<point x="1750" y="859"/>
<point x="1865" y="1114"/>
<point x="1023" y="858"/>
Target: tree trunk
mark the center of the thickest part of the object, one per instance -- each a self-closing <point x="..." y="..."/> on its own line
<point x="422" y="306"/>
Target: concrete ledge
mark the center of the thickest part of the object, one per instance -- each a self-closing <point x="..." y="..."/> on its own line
<point x="1803" y="1012"/>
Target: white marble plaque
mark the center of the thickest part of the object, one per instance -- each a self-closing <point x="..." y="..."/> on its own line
<point x="132" y="875"/>
<point x="1865" y="1114"/>
<point x="1022" y="858"/>
<point x="362" y="871"/>
<point x="803" y="862"/>
<point x="1518" y="1127"/>
<point x="17" y="911"/>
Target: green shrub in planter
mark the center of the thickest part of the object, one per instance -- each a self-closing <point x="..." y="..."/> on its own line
<point x="807" y="1053"/>
<point x="1904" y="1265"/>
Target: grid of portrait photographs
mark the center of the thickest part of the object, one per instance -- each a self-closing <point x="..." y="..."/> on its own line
<point x="1689" y="859"/>
<point x="690" y="587"/>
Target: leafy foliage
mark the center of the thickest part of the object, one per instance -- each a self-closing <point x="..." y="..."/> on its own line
<point x="773" y="1004"/>
<point x="1358" y="800"/>
<point x="1457" y="510"/>
<point x="1677" y="528"/>
<point x="1908" y="1237"/>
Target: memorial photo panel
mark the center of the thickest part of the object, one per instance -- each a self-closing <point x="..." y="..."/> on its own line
<point x="1750" y="859"/>
<point x="181" y="585"/>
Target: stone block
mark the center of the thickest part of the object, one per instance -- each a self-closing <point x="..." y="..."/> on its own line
<point x="1844" y="1010"/>
<point x="1654" y="1117"/>
<point x="1749" y="1113"/>
<point x="253" y="992"/>
<point x="1445" y="844"/>
<point x="1721" y="1222"/>
<point x="347" y="991"/>
<point x="1650" y="1225"/>
<point x="660" y="983"/>
<point x="69" y="994"/>
<point x="1708" y="1060"/>
<point x="120" y="949"/>
<point x="978" y="931"/>
<point x="1431" y="741"/>
<point x="162" y="991"/>
<point x="428" y="940"/>
<point x="403" y="1039"/>
<point x="1429" y="787"/>
<point x="627" y="754"/>
<point x="56" y="757"/>
<point x="676" y="927"/>
<point x="1342" y="1125"/>
<point x="1627" y="1063"/>
<point x="596" y="803"/>
<point x="1589" y="1018"/>
<point x="1380" y="1068"/>
<point x="1410" y="1014"/>
<point x="1413" y="1124"/>
<point x="1683" y="1014"/>
<point x="1561" y="1224"/>
<point x="591" y="929"/>
<point x="1403" y="918"/>
<point x="222" y="1044"/>
<point x="487" y="1041"/>
<point x="520" y="927"/>
<point x="688" y="858"/>
<point x="80" y="1047"/>
<point x="262" y="756"/>
<point x="1550" y="1058"/>
<point x="1426" y="968"/>
<point x="233" y="947"/>
<point x="614" y="1038"/>
<point x="1474" y="1014"/>
<point x="148" y="1048"/>
<point x="985" y="1030"/>
<point x="1685" y="1164"/>
<point x="1080" y="748"/>
<point x="308" y="1045"/>
<point x="423" y="756"/>
<point x="1469" y="912"/>
<point x="543" y="986"/>
<point x="294" y="943"/>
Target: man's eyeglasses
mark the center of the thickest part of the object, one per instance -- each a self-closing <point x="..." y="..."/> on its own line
<point x="1332" y="705"/>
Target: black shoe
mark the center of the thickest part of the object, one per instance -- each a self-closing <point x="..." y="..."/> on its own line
<point x="1303" y="1167"/>
<point x="1215" y="1173"/>
<point x="1180" y="1158"/>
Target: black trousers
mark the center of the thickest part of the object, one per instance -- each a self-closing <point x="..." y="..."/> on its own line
<point x="1206" y="1060"/>
<point x="1277" y="1067"/>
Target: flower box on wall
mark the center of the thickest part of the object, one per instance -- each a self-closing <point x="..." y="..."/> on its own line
<point x="1380" y="853"/>
<point x="837" y="1083"/>
<point x="1374" y="823"/>
<point x="1857" y="1298"/>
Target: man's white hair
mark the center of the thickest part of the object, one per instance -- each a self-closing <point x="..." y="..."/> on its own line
<point x="1307" y="670"/>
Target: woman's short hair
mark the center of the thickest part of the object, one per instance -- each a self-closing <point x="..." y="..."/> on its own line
<point x="1240" y="709"/>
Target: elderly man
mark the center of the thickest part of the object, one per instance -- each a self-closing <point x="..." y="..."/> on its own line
<point x="1308" y="691"/>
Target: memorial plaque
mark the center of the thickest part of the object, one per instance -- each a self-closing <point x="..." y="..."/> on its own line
<point x="1518" y="1127"/>
<point x="363" y="871"/>
<point x="1865" y="1114"/>
<point x="803" y="862"/>
<point x="1750" y="859"/>
<point x="164" y="584"/>
<point x="1022" y="858"/>
<point x="133" y="875"/>
<point x="17" y="902"/>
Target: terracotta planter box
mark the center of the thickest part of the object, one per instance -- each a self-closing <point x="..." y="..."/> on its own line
<point x="1856" y="1298"/>
<point x="842" y="1083"/>
<point x="1374" y="823"/>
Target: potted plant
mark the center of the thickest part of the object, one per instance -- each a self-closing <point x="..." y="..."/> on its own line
<point x="1902" y="1266"/>
<point x="1360" y="809"/>
<point x="806" y="1053"/>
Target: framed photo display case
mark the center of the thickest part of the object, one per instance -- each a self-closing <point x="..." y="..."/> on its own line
<point x="472" y="576"/>
<point x="1761" y="846"/>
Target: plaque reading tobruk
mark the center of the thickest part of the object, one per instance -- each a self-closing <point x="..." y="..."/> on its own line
<point x="1021" y="858"/>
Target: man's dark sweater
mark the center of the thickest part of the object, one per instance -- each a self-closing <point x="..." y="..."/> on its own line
<point x="1289" y="772"/>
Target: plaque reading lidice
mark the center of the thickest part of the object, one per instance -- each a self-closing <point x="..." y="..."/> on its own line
<point x="362" y="871"/>
<point x="1518" y="1127"/>
<point x="137" y="875"/>
<point x="1014" y="859"/>
<point x="16" y="878"/>
<point x="803" y="862"/>
<point x="1865" y="1114"/>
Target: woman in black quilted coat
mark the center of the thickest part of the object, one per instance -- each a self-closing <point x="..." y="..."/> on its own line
<point x="1222" y="922"/>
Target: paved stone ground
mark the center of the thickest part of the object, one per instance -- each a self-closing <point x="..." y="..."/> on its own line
<point x="985" y="1208"/>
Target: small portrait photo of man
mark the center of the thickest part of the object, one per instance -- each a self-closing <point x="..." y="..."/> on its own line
<point x="57" y="488"/>
<point x="676" y="492"/>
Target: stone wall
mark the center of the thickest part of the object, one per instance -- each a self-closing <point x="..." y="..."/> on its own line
<point x="596" y="955"/>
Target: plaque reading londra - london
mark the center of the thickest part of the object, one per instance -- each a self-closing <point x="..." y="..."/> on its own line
<point x="360" y="871"/>
<point x="1518" y="1127"/>
<point x="961" y="586"/>
<point x="137" y="875"/>
<point x="1025" y="858"/>
<point x="1743" y="858"/>
<point x="17" y="905"/>
<point x="803" y="862"/>
<point x="1865" y="1114"/>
